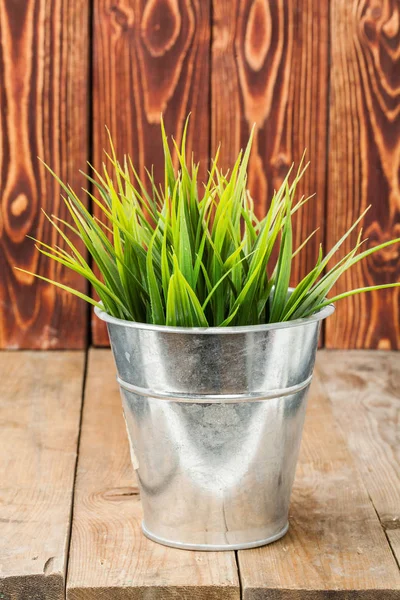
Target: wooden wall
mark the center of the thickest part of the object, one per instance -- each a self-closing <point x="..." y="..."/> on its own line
<point x="44" y="112"/>
<point x="310" y="73"/>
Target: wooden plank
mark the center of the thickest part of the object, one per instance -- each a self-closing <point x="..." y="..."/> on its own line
<point x="364" y="159"/>
<point x="43" y="103"/>
<point x="40" y="401"/>
<point x="335" y="547"/>
<point x="270" y="67"/>
<point x="150" y="58"/>
<point x="364" y="391"/>
<point x="109" y="556"/>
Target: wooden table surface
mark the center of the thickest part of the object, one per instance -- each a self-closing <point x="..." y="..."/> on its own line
<point x="70" y="511"/>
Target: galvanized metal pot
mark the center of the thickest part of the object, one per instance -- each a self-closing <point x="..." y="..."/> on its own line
<point x="215" y="418"/>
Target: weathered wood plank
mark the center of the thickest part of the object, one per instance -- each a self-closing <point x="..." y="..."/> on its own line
<point x="40" y="401"/>
<point x="150" y="58"/>
<point x="44" y="110"/>
<point x="335" y="547"/>
<point x="109" y="556"/>
<point x="364" y="160"/>
<point x="364" y="389"/>
<point x="270" y="67"/>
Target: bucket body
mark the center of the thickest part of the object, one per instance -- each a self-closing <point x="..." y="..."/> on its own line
<point x="215" y="418"/>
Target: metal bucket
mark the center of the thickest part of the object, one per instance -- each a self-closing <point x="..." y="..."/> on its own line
<point x="215" y="418"/>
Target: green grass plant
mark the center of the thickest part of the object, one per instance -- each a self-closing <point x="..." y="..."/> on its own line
<point x="194" y="255"/>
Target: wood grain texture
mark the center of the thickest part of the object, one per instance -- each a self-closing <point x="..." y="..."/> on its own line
<point x="40" y="401"/>
<point x="43" y="105"/>
<point x="270" y="67"/>
<point x="335" y="547"/>
<point x="364" y="391"/>
<point x="364" y="161"/>
<point x="150" y="58"/>
<point x="109" y="555"/>
<point x="393" y="536"/>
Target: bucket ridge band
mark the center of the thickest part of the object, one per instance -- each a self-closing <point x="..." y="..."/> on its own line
<point x="215" y="398"/>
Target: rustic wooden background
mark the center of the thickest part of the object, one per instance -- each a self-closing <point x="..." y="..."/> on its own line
<point x="310" y="73"/>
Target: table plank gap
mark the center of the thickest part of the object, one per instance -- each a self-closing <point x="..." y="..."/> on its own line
<point x="41" y="396"/>
<point x="335" y="547"/>
<point x="109" y="556"/>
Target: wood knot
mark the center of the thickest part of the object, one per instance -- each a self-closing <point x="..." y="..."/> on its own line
<point x="19" y="205"/>
<point x="354" y="381"/>
<point x="366" y="368"/>
<point x="392" y="522"/>
<point x="258" y="34"/>
<point x="382" y="29"/>
<point x="369" y="22"/>
<point x="391" y="26"/>
<point x="376" y="12"/>
<point x="123" y="18"/>
<point x="280" y="166"/>
<point x="121" y="493"/>
<point x="387" y="259"/>
<point x="48" y="568"/>
<point x="385" y="344"/>
<point x="160" y="26"/>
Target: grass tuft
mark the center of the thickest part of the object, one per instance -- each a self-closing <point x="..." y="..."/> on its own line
<point x="195" y="256"/>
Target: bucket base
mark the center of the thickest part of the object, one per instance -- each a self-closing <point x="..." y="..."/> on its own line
<point x="214" y="548"/>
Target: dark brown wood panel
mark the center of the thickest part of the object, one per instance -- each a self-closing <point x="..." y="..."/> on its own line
<point x="364" y="161"/>
<point x="270" y="67"/>
<point x="267" y="61"/>
<point x="43" y="103"/>
<point x="150" y="58"/>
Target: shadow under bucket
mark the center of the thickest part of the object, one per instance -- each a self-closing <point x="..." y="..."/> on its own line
<point x="215" y="418"/>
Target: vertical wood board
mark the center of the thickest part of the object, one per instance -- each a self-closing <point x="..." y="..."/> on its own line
<point x="150" y="58"/>
<point x="270" y="68"/>
<point x="364" y="161"/>
<point x="44" y="112"/>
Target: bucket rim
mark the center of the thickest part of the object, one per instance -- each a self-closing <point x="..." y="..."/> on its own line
<point x="318" y="316"/>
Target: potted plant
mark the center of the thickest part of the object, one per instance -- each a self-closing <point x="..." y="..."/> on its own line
<point x="214" y="351"/>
